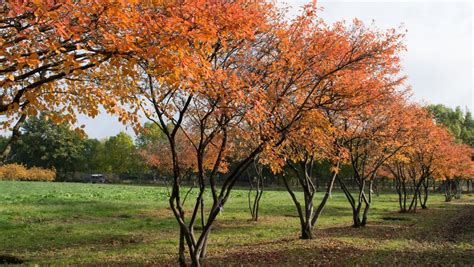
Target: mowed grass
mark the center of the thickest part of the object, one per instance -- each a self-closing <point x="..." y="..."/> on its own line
<point x="91" y="224"/>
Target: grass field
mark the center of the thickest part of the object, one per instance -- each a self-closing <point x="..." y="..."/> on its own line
<point x="86" y="224"/>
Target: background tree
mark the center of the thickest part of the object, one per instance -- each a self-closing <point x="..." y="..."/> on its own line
<point x="460" y="124"/>
<point x="94" y="156"/>
<point x="121" y="155"/>
<point x="454" y="166"/>
<point x="49" y="145"/>
<point x="154" y="149"/>
<point x="416" y="163"/>
<point x="149" y="135"/>
<point x="372" y="135"/>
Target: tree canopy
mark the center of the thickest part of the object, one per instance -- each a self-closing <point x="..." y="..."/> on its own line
<point x="224" y="85"/>
<point x="460" y="124"/>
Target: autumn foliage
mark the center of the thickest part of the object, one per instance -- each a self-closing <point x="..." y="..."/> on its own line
<point x="18" y="172"/>
<point x="229" y="83"/>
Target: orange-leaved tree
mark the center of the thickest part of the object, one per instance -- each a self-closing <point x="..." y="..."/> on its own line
<point x="372" y="135"/>
<point x="452" y="166"/>
<point x="192" y="92"/>
<point x="51" y="54"/>
<point x="320" y="134"/>
<point x="243" y="74"/>
<point x="414" y="164"/>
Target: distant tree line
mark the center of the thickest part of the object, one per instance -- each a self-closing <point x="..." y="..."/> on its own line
<point x="460" y="124"/>
<point x="47" y="144"/>
<point x="43" y="143"/>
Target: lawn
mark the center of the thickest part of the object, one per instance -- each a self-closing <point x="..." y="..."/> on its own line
<point x="90" y="224"/>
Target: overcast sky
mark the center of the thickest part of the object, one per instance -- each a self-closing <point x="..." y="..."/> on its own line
<point x="438" y="63"/>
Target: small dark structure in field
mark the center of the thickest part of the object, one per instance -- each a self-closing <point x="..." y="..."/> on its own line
<point x="98" y="179"/>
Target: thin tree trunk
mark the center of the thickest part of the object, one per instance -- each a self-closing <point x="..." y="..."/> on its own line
<point x="249" y="195"/>
<point x="258" y="197"/>
<point x="405" y="196"/>
<point x="298" y="207"/>
<point x="254" y="205"/>
<point x="424" y="200"/>
<point x="181" y="250"/>
<point x="204" y="246"/>
<point x="447" y="191"/>
<point x="399" y="192"/>
<point x="350" y="198"/>
<point x="13" y="139"/>
<point x="416" y="192"/>
<point x="321" y="206"/>
<point x="458" y="186"/>
<point x="367" y="204"/>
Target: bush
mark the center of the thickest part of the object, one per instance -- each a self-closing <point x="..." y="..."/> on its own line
<point x="18" y="172"/>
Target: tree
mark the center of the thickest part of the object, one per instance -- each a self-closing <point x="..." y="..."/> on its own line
<point x="149" y="136"/>
<point x="431" y="153"/>
<point x="157" y="154"/>
<point x="311" y="145"/>
<point x="459" y="124"/>
<point x="49" y="145"/>
<point x="415" y="164"/>
<point x="51" y="54"/>
<point x="325" y="134"/>
<point x="121" y="155"/>
<point x="94" y="156"/>
<point x="251" y="76"/>
<point x="371" y="136"/>
<point x="225" y="84"/>
<point x="455" y="165"/>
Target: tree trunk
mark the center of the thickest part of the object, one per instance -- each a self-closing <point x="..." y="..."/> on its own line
<point x="424" y="200"/>
<point x="204" y="246"/>
<point x="367" y="204"/>
<point x="401" y="191"/>
<point x="416" y="194"/>
<point x="458" y="188"/>
<point x="448" y="191"/>
<point x="307" y="231"/>
<point x="254" y="203"/>
<point x="365" y="215"/>
<point x="309" y="218"/>
<point x="298" y="207"/>
<point x="351" y="200"/>
<point x="328" y="193"/>
<point x="405" y="196"/>
<point x="356" y="216"/>
<point x="181" y="250"/>
<point x="13" y="139"/>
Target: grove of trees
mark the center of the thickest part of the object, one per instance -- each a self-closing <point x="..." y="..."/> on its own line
<point x="46" y="144"/>
<point x="225" y="86"/>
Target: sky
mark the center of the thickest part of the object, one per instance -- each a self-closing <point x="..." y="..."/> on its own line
<point x="438" y="63"/>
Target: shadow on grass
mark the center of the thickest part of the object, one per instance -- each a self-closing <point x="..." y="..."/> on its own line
<point x="440" y="238"/>
<point x="8" y="259"/>
<point x="339" y="254"/>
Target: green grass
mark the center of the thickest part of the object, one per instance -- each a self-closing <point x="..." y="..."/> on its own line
<point x="68" y="223"/>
